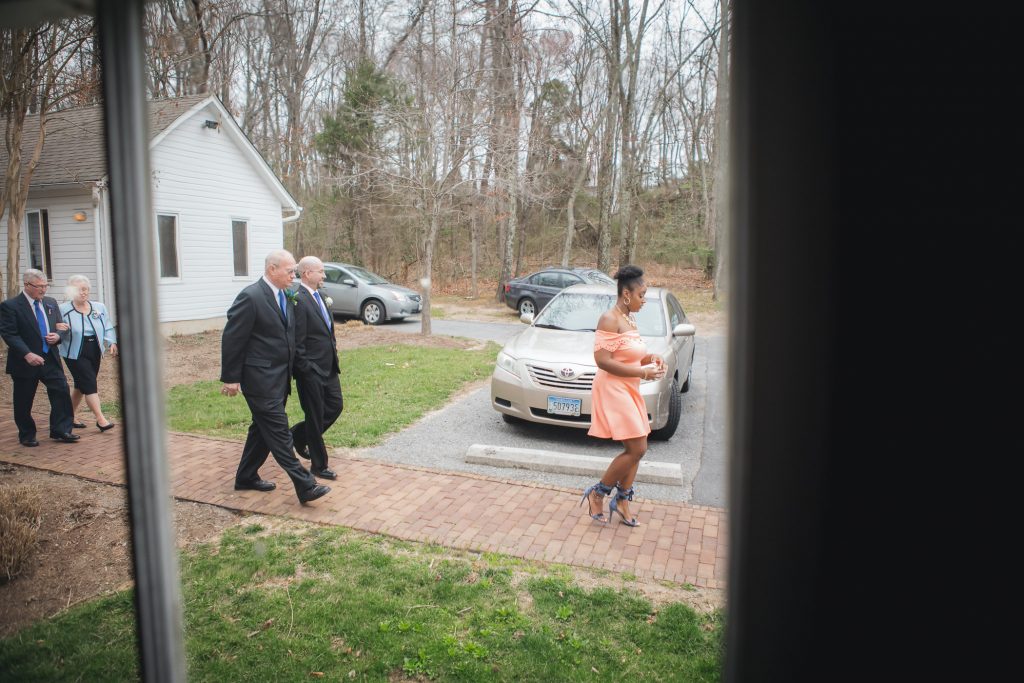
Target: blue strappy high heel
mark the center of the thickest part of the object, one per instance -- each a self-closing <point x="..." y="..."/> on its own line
<point x="613" y="506"/>
<point x="604" y="491"/>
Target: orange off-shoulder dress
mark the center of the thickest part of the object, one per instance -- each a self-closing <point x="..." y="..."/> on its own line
<point x="617" y="409"/>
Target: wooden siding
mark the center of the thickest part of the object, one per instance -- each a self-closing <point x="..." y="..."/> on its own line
<point x="202" y="176"/>
<point x="72" y="244"/>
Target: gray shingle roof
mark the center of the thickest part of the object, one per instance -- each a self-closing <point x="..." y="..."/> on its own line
<point x="73" y="150"/>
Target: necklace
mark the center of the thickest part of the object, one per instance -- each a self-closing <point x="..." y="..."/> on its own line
<point x="630" y="319"/>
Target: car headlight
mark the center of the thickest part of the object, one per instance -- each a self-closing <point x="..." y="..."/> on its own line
<point x="399" y="297"/>
<point x="507" y="363"/>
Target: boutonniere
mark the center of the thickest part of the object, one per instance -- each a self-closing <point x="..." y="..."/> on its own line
<point x="292" y="296"/>
<point x="328" y="302"/>
<point x="49" y="309"/>
<point x="94" y="315"/>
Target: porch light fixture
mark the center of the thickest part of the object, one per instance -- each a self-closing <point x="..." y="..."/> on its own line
<point x="208" y="123"/>
<point x="79" y="215"/>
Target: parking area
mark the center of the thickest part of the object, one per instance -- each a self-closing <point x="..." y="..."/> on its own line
<point x="440" y="440"/>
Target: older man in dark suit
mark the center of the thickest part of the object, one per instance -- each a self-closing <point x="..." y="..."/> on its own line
<point x="316" y="368"/>
<point x="30" y="323"/>
<point x="257" y="351"/>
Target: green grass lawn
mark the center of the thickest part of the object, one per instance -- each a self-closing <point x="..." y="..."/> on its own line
<point x="344" y="605"/>
<point x="385" y="389"/>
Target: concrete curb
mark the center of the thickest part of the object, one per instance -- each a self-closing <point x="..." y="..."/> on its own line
<point x="568" y="463"/>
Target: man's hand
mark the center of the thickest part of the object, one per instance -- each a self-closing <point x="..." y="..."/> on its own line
<point x="231" y="389"/>
<point x="33" y="359"/>
<point x="52" y="338"/>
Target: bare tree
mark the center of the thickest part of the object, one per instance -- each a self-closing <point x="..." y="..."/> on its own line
<point x="36" y="79"/>
<point x="587" y="116"/>
<point x="296" y="31"/>
<point x="505" y="58"/>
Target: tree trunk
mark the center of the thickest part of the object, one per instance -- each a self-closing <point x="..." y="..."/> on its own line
<point x="721" y="187"/>
<point x="570" y="228"/>
<point x="428" y="263"/>
<point x="606" y="185"/>
<point x="507" y="163"/>
<point x="474" y="237"/>
<point x="570" y="208"/>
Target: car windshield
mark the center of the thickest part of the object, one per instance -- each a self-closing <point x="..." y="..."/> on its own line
<point x="580" y="313"/>
<point x="366" y="276"/>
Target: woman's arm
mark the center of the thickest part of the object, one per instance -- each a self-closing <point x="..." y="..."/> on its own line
<point x="603" y="357"/>
<point x="109" y="334"/>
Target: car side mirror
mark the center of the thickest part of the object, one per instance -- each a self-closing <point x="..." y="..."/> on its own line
<point x="684" y="330"/>
<point x="526" y="318"/>
<point x="349" y="281"/>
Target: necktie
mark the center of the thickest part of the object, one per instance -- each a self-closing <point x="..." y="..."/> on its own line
<point x="41" y="319"/>
<point x="323" y="309"/>
<point x="280" y="300"/>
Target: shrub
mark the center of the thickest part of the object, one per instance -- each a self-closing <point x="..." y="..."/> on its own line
<point x="20" y="518"/>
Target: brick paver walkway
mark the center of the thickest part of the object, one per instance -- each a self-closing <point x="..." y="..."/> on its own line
<point x="675" y="541"/>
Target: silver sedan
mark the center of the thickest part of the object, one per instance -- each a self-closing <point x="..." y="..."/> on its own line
<point x="545" y="372"/>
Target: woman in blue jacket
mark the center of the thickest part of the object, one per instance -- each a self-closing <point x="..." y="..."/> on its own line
<point x="83" y="345"/>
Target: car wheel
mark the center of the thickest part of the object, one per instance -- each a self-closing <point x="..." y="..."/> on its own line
<point x="675" y="409"/>
<point x="511" y="419"/>
<point x="372" y="312"/>
<point x="527" y="306"/>
<point x="689" y="375"/>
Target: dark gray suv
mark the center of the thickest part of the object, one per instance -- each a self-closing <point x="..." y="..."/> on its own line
<point x="531" y="293"/>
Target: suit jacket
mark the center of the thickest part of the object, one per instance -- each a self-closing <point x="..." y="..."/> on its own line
<point x="316" y="349"/>
<point x="20" y="329"/>
<point x="258" y="347"/>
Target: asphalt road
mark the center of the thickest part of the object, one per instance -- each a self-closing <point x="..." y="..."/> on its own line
<point x="499" y="332"/>
<point x="440" y="439"/>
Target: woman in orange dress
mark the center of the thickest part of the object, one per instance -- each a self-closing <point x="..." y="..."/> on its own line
<point x="618" y="410"/>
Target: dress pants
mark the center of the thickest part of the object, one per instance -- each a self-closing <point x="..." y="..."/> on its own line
<point x="52" y="375"/>
<point x="322" y="403"/>
<point x="268" y="434"/>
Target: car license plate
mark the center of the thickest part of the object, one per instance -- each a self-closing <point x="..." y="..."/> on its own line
<point x="564" y="406"/>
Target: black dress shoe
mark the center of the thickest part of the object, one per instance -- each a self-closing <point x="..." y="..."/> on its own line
<point x="258" y="485"/>
<point x="31" y="443"/>
<point x="325" y="473"/>
<point x="318" y="491"/>
<point x="78" y="425"/>
<point x="66" y="438"/>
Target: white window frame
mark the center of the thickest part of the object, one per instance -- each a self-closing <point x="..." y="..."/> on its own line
<point x="177" y="245"/>
<point x="46" y="247"/>
<point x="248" y="249"/>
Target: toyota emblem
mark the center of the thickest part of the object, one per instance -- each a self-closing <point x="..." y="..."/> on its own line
<point x="567" y="373"/>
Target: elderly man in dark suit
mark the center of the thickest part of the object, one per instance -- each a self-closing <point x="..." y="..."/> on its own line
<point x="316" y="368"/>
<point x="30" y="323"/>
<point x="257" y="351"/>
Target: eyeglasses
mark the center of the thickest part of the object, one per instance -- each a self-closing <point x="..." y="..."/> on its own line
<point x="33" y="284"/>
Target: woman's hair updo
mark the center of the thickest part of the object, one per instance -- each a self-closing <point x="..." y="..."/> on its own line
<point x="628" y="277"/>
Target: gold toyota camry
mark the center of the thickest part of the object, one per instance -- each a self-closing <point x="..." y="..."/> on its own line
<point x="544" y="373"/>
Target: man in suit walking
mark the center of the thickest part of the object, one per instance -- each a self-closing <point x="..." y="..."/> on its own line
<point x="30" y="323"/>
<point x="257" y="351"/>
<point x="316" y="368"/>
